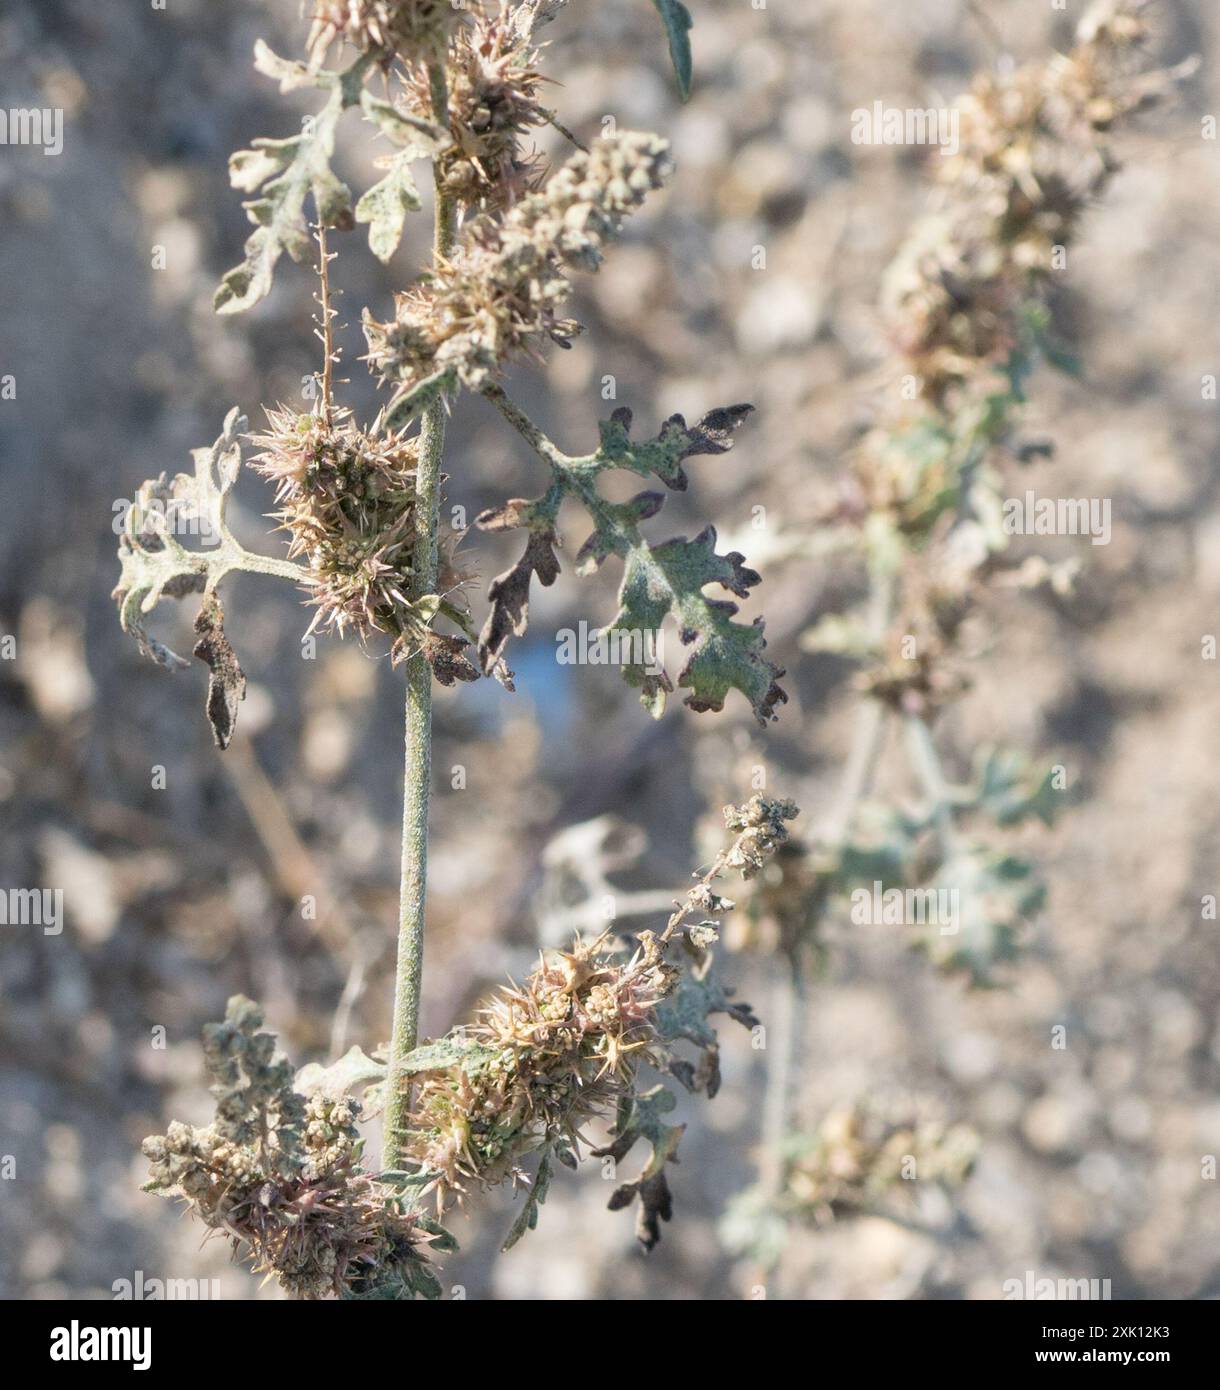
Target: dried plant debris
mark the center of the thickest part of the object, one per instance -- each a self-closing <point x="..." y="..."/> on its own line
<point x="660" y="582"/>
<point x="279" y="1175"/>
<point x="226" y="681"/>
<point x="574" y="1044"/>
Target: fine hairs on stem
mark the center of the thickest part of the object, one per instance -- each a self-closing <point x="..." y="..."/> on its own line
<point x="417" y="765"/>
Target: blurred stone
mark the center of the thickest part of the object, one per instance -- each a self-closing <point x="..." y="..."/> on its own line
<point x="87" y="882"/>
<point x="51" y="661"/>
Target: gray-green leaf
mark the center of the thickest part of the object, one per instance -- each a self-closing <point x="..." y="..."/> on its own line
<point x="353" y="1069"/>
<point x="676" y="18"/>
<point x="154" y="564"/>
<point x="287" y="171"/>
<point x="385" y="206"/>
<point x="527" y="1217"/>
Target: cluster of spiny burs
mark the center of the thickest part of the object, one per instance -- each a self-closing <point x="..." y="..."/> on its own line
<point x="494" y="87"/>
<point x="347" y="496"/>
<point x="569" y="1046"/>
<point x="279" y="1170"/>
<point x="278" y="1174"/>
<point x="501" y="292"/>
<point x="556" y="1053"/>
<point x="384" y="29"/>
<point x="347" y="501"/>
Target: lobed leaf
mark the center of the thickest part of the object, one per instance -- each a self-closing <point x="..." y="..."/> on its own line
<point x="684" y="1017"/>
<point x="385" y="206"/>
<point x="154" y="565"/>
<point x="660" y="582"/>
<point x="998" y="893"/>
<point x="527" y="1217"/>
<point x="641" y="1117"/>
<point x="288" y="171"/>
<point x="353" y="1069"/>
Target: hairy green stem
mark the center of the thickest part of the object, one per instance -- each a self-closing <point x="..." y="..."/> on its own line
<point x="525" y="427"/>
<point x="417" y="765"/>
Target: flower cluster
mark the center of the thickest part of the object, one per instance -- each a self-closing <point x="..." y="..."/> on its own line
<point x="968" y="298"/>
<point x="279" y="1174"/>
<point x="862" y="1160"/>
<point x="507" y="280"/>
<point x="760" y="832"/>
<point x="493" y="103"/>
<point x="1032" y="158"/>
<point x="567" y="1047"/>
<point x="862" y="1153"/>
<point x="380" y="28"/>
<point x="347" y="500"/>
<point x="543" y="1060"/>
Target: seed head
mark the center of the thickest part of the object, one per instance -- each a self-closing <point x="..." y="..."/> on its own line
<point x="348" y="503"/>
<point x="494" y="84"/>
<point x="278" y="1174"/>
<point x="1032" y="158"/>
<point x="504" y="286"/>
<point x="562" y="1050"/>
<point x="382" y="28"/>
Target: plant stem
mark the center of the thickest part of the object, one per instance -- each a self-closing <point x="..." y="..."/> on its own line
<point x="326" y="325"/>
<point x="869" y="726"/>
<point x="791" y="998"/>
<point x="417" y="765"/>
<point x="525" y="427"/>
<point x="926" y="762"/>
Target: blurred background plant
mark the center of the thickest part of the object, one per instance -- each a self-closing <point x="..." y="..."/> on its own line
<point x="760" y="261"/>
<point x="968" y="304"/>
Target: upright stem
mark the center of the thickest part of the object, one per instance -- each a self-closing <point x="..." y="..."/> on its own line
<point x="417" y="766"/>
<point x="326" y="324"/>
<point x="791" y="999"/>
